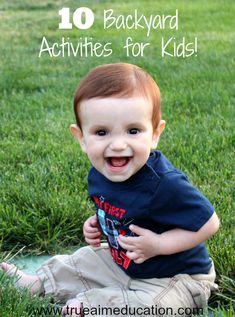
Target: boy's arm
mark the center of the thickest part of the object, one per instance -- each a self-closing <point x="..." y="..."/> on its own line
<point x="149" y="244"/>
<point x="178" y="240"/>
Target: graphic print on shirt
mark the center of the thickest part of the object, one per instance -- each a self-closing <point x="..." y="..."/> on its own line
<point x="108" y="229"/>
<point x="114" y="224"/>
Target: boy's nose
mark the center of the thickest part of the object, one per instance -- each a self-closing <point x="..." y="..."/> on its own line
<point x="118" y="144"/>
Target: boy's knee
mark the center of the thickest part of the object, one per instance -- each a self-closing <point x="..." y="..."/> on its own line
<point x="186" y="297"/>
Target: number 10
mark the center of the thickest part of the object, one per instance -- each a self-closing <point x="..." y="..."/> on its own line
<point x="77" y="18"/>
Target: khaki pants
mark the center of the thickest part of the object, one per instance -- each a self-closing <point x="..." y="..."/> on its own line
<point x="91" y="275"/>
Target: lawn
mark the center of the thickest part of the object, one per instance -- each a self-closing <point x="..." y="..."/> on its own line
<point x="43" y="188"/>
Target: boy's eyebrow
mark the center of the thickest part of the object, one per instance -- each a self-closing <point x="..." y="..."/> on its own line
<point x="135" y="124"/>
<point x="98" y="126"/>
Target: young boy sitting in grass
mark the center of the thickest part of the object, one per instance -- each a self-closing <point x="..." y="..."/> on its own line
<point x="154" y="220"/>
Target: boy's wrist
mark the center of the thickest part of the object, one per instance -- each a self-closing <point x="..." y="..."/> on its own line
<point x="160" y="245"/>
<point x="164" y="246"/>
<point x="156" y="244"/>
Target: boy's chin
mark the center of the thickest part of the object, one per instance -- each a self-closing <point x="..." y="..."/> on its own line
<point x="117" y="178"/>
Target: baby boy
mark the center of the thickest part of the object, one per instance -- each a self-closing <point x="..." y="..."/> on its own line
<point x="154" y="221"/>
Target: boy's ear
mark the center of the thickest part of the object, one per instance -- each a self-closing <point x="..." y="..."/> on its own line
<point x="157" y="133"/>
<point x="78" y="135"/>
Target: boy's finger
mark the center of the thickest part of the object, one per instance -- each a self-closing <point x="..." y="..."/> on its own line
<point x="139" y="260"/>
<point x="138" y="230"/>
<point x="133" y="255"/>
<point x="91" y="229"/>
<point x="128" y="240"/>
<point x="126" y="246"/>
<point x="94" y="222"/>
<point x="93" y="242"/>
<point x="93" y="235"/>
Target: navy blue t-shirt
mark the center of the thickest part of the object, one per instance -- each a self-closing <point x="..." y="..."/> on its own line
<point x="158" y="197"/>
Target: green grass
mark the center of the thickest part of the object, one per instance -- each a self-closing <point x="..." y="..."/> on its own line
<point x="43" y="188"/>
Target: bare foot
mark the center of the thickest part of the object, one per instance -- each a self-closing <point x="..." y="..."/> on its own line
<point x="32" y="282"/>
<point x="72" y="308"/>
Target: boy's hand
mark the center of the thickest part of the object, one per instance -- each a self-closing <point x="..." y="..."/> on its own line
<point x="140" y="248"/>
<point x="92" y="231"/>
<point x="149" y="244"/>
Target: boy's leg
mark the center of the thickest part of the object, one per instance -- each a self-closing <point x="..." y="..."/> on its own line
<point x="94" y="279"/>
<point x="65" y="276"/>
<point x="31" y="282"/>
<point x="181" y="295"/>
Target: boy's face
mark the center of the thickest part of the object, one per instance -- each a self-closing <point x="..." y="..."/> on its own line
<point x="117" y="134"/>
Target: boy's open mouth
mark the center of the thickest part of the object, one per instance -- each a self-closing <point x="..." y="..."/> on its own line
<point x="118" y="161"/>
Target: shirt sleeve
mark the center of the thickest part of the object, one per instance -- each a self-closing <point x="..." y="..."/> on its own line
<point x="178" y="204"/>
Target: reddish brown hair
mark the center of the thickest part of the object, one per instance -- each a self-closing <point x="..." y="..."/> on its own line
<point x="118" y="80"/>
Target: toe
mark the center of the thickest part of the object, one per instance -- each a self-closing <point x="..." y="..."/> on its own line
<point x="7" y="267"/>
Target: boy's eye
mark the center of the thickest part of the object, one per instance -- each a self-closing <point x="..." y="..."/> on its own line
<point x="134" y="131"/>
<point x="101" y="132"/>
